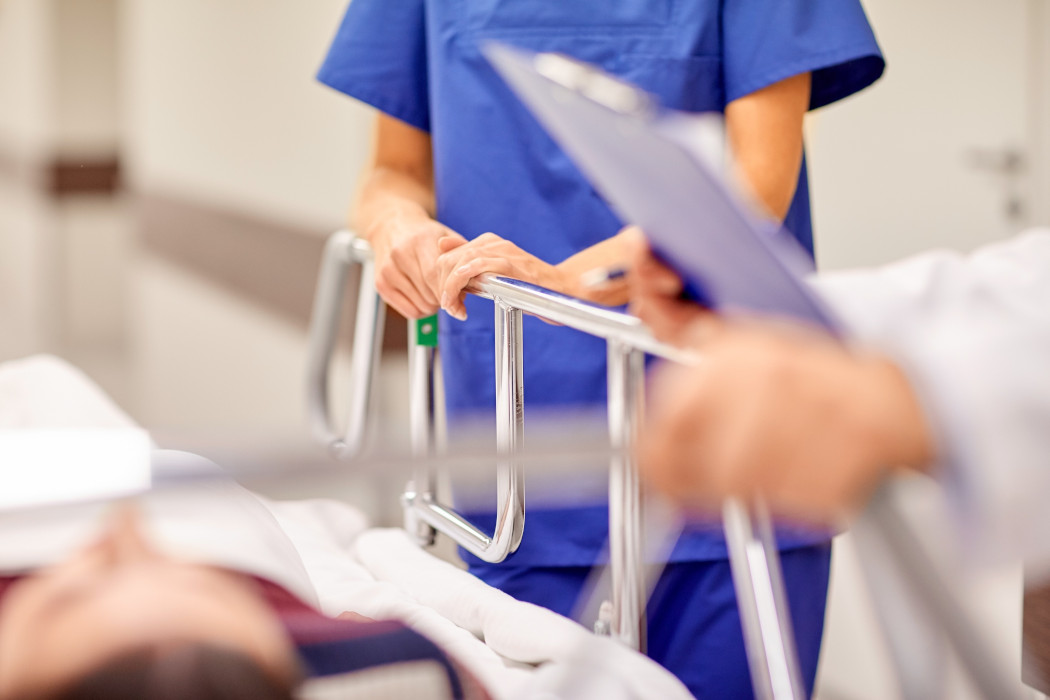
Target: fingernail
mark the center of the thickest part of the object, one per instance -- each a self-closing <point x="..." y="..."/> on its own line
<point x="444" y="299"/>
<point x="459" y="314"/>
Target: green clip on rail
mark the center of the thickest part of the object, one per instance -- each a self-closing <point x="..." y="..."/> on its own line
<point x="427" y="331"/>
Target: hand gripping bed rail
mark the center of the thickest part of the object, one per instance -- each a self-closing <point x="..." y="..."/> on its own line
<point x="423" y="514"/>
<point x="753" y="552"/>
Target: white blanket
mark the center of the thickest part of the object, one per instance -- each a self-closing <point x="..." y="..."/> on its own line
<point x="499" y="639"/>
<point x="381" y="573"/>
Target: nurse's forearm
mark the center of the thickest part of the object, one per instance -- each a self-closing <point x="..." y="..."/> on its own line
<point x="389" y="201"/>
<point x="397" y="188"/>
<point x="765" y="133"/>
<point x="394" y="211"/>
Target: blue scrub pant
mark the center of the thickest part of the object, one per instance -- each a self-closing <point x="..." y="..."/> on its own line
<point x="694" y="624"/>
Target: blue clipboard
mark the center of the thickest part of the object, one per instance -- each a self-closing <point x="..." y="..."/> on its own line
<point x="649" y="163"/>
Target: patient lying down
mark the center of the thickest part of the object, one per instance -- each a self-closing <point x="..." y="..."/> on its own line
<point x="118" y="614"/>
<point x="119" y="617"/>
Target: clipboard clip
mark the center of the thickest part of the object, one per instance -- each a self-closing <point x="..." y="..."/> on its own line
<point x="594" y="84"/>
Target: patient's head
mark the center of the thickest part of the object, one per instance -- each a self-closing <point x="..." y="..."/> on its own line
<point x="121" y="615"/>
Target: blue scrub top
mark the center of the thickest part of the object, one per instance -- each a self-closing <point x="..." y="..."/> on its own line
<point x="497" y="170"/>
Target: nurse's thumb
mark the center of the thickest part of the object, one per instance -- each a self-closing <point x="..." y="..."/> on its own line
<point x="447" y="243"/>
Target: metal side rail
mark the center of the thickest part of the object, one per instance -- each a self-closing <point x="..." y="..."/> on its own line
<point x="343" y="252"/>
<point x="423" y="513"/>
<point x="753" y="553"/>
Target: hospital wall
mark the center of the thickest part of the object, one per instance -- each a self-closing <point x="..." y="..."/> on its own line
<point x="209" y="106"/>
<point x="58" y="120"/>
<point x="227" y="131"/>
<point x="210" y="115"/>
<point x="223" y="109"/>
<point x="23" y="106"/>
<point x="224" y="118"/>
<point x="950" y="149"/>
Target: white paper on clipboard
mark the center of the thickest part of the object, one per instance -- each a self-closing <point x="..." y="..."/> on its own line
<point x="633" y="153"/>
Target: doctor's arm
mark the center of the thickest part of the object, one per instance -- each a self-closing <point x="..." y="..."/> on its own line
<point x="958" y="386"/>
<point x="783" y="413"/>
<point x="773" y="409"/>
<point x="764" y="130"/>
<point x="394" y="211"/>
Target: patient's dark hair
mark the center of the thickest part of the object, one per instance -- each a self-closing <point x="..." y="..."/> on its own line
<point x="176" y="672"/>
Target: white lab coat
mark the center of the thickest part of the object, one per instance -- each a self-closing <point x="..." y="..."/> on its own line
<point x="972" y="332"/>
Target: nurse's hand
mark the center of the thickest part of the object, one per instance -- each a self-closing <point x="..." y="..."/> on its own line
<point x="488" y="252"/>
<point x="780" y="412"/>
<point x="655" y="293"/>
<point x="406" y="259"/>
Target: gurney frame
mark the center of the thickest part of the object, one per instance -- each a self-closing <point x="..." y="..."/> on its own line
<point x="753" y="553"/>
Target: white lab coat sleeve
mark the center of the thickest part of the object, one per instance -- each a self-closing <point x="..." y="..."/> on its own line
<point x="973" y="335"/>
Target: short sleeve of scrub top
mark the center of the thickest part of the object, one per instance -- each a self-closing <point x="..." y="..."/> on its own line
<point x="379" y="56"/>
<point x="766" y="42"/>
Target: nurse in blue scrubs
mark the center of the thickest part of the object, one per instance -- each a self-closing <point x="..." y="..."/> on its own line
<point x="457" y="156"/>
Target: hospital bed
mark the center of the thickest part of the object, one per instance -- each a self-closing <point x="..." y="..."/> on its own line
<point x="749" y="533"/>
<point x="515" y="649"/>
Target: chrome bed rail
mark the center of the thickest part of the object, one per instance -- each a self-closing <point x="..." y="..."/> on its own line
<point x="753" y="552"/>
<point x="343" y="252"/>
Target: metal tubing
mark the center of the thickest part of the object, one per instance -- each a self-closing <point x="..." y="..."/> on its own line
<point x="626" y="377"/>
<point x="750" y="538"/>
<point x="764" y="613"/>
<point x="421" y="507"/>
<point x="422" y="372"/>
<point x="753" y="552"/>
<point x="595" y="320"/>
<point x="510" y="424"/>
<point x="341" y="252"/>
